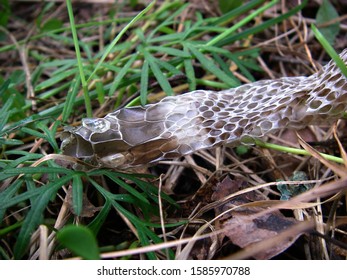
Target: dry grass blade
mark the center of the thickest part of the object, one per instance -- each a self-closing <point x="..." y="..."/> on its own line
<point x="191" y="47"/>
<point x="342" y="150"/>
<point x="334" y="167"/>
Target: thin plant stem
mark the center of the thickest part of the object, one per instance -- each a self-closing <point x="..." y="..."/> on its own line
<point x="87" y="101"/>
<point x="294" y="151"/>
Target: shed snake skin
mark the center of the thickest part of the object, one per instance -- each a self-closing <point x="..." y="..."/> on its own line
<point x="203" y="119"/>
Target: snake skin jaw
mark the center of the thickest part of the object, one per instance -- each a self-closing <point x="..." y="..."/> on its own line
<point x="202" y="119"/>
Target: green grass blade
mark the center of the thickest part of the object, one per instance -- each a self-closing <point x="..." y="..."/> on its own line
<point x="79" y="60"/>
<point x="144" y="82"/>
<point x="11" y="172"/>
<point x="70" y="99"/>
<point x="241" y="10"/>
<point x="189" y="70"/>
<point x="261" y="27"/>
<point x="176" y="37"/>
<point x="121" y="74"/>
<point x="241" y="23"/>
<point x="167" y="66"/>
<point x="142" y="230"/>
<point x="23" y="159"/>
<point x="50" y="134"/>
<point x="120" y="34"/>
<point x="128" y="188"/>
<point x="55" y="79"/>
<point x="167" y="50"/>
<point x="7" y="194"/>
<point x="167" y="21"/>
<point x="209" y="65"/>
<point x="34" y="216"/>
<point x="33" y="132"/>
<point x="77" y="194"/>
<point x="4" y="112"/>
<point x="99" y="220"/>
<point x="330" y="50"/>
<point x="162" y="80"/>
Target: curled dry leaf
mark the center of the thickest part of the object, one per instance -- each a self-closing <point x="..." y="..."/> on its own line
<point x="244" y="227"/>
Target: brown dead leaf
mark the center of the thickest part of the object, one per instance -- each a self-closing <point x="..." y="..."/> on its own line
<point x="260" y="249"/>
<point x="243" y="231"/>
<point x="88" y="208"/>
<point x="243" y="226"/>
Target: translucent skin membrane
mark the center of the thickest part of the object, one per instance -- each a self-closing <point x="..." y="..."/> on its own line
<point x="200" y="119"/>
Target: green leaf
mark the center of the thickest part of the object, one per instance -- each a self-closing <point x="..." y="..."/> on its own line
<point x="168" y="67"/>
<point x="327" y="13"/>
<point x="5" y="12"/>
<point x="167" y="37"/>
<point x="34" y="132"/>
<point x="161" y="78"/>
<point x="128" y="188"/>
<point x="80" y="240"/>
<point x="9" y="192"/>
<point x="260" y="27"/>
<point x="289" y="191"/>
<point x="209" y="65"/>
<point x="223" y="65"/>
<point x="4" y="85"/>
<point x="120" y="34"/>
<point x="240" y="23"/>
<point x="144" y="83"/>
<point x="99" y="220"/>
<point x="171" y="51"/>
<point x="99" y="87"/>
<point x="188" y="66"/>
<point x="10" y="142"/>
<point x="121" y="74"/>
<point x="52" y="24"/>
<point x="55" y="79"/>
<point x="8" y="91"/>
<point x="166" y="22"/>
<point x="34" y="216"/>
<point x="77" y="194"/>
<point x="226" y="5"/>
<point x="10" y="172"/>
<point x="4" y="115"/>
<point x="330" y="50"/>
<point x="50" y="134"/>
<point x="71" y="96"/>
<point x="23" y="159"/>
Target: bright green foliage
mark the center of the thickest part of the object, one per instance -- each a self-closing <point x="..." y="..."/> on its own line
<point x="5" y="13"/>
<point x="52" y="24"/>
<point x="145" y="54"/>
<point x="227" y="5"/>
<point x="325" y="14"/>
<point x="80" y="240"/>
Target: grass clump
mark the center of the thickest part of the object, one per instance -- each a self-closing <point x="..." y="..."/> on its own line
<point x="78" y="61"/>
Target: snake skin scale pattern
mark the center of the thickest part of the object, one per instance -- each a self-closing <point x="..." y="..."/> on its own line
<point x="203" y="119"/>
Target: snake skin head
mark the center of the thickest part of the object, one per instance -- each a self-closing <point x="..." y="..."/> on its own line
<point x="84" y="142"/>
<point x="180" y="125"/>
<point x="122" y="139"/>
